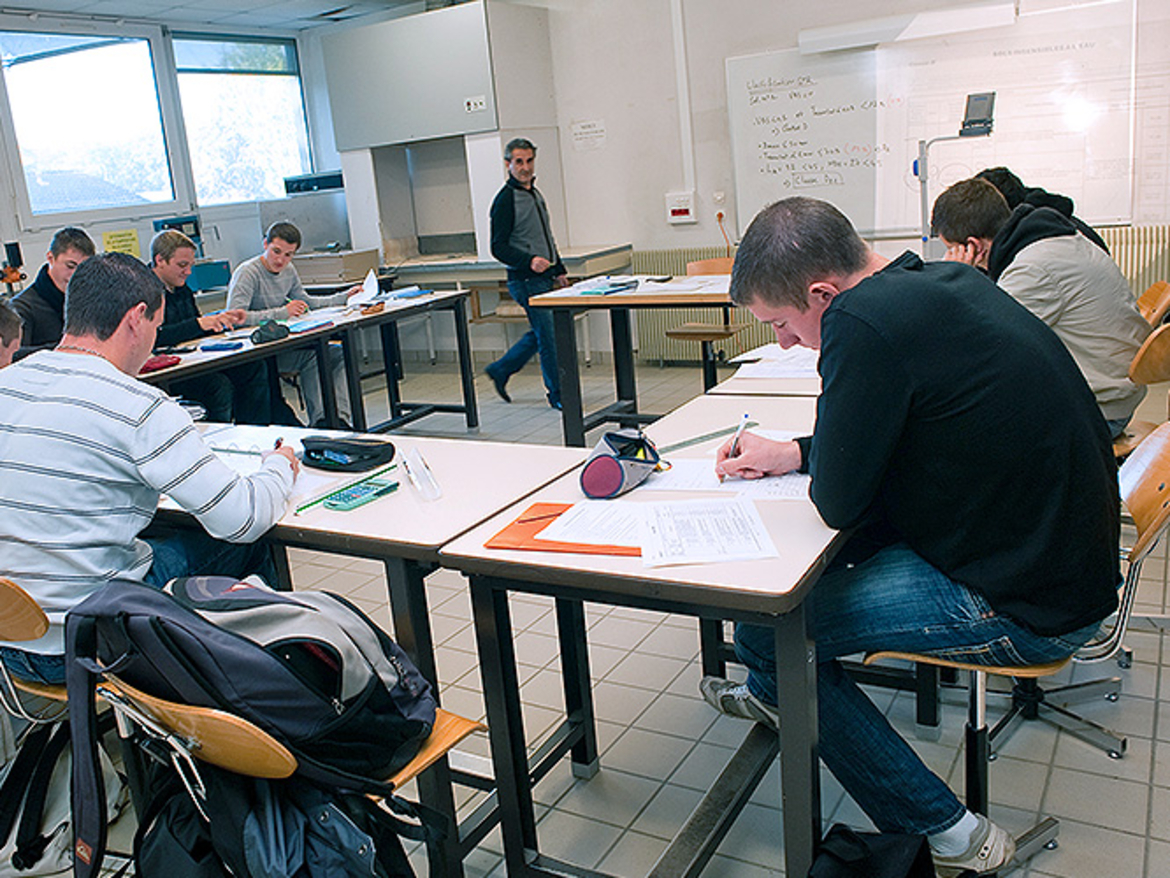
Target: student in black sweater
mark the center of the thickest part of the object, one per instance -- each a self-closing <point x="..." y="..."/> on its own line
<point x="240" y="393"/>
<point x="957" y="436"/>
<point x="41" y="305"/>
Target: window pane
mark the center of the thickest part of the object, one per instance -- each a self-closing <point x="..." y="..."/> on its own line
<point x="87" y="120"/>
<point x="240" y="56"/>
<point x="245" y="133"/>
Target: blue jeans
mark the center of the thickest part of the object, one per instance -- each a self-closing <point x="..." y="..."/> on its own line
<point x="176" y="553"/>
<point x="538" y="339"/>
<point x="893" y="601"/>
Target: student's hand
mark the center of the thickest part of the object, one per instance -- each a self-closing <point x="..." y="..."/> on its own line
<point x="967" y="253"/>
<point x="757" y="457"/>
<point x="296" y="308"/>
<point x="287" y="453"/>
<point x="560" y="281"/>
<point x="539" y="265"/>
<point x="353" y="291"/>
<point x="221" y="321"/>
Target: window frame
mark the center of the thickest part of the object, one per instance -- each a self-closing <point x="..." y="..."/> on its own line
<point x="174" y="137"/>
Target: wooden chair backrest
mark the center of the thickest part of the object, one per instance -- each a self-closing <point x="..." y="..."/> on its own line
<point x="1151" y="364"/>
<point x="21" y="617"/>
<point x="223" y="739"/>
<point x="718" y="265"/>
<point x="1145" y="489"/>
<point x="1155" y="302"/>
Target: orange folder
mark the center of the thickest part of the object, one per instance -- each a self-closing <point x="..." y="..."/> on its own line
<point x="521" y="534"/>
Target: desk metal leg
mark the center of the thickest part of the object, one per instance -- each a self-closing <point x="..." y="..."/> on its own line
<point x="466" y="367"/>
<point x="501" y="689"/>
<point x="353" y="380"/>
<point x="796" y="678"/>
<point x="412" y="630"/>
<point x="572" y="403"/>
<point x="578" y="692"/>
<point x="390" y="362"/>
<point x="325" y="376"/>
<point x="623" y="358"/>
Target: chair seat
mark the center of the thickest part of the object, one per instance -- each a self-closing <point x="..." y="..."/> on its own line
<point x="449" y="730"/>
<point x="1044" y="670"/>
<point x="704" y="331"/>
<point x="1131" y="438"/>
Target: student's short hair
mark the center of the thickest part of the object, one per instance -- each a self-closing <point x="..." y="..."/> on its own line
<point x="71" y="238"/>
<point x="10" y="323"/>
<point x="165" y="243"/>
<point x="790" y="245"/>
<point x="104" y="288"/>
<point x="969" y="209"/>
<point x="284" y="230"/>
<point x="518" y="143"/>
<point x="1010" y="186"/>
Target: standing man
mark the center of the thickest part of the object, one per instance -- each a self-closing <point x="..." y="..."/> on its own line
<point x="239" y="393"/>
<point x="10" y="332"/>
<point x="1041" y="259"/>
<point x="267" y="287"/>
<point x="42" y="305"/>
<point x="85" y="451"/>
<point x="957" y="438"/>
<point x="522" y="239"/>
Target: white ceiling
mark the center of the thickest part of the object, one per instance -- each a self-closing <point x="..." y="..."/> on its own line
<point x="286" y="15"/>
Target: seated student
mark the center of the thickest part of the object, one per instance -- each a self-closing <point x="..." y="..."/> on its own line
<point x="1037" y="255"/>
<point x="267" y="287"/>
<point x="958" y="438"/>
<point x="1014" y="191"/>
<point x="87" y="449"/>
<point x="10" y="332"/>
<point x="239" y="393"/>
<point x="42" y="305"/>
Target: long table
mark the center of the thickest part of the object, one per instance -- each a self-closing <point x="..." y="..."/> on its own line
<point x="344" y="326"/>
<point x="404" y="531"/>
<point x="709" y="291"/>
<point x="767" y="592"/>
<point x="469" y="270"/>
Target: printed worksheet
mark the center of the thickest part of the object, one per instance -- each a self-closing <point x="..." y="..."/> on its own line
<point x="703" y="531"/>
<point x="596" y="523"/>
<point x="698" y="474"/>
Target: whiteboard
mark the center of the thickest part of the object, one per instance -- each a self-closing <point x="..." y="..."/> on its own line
<point x="1064" y="84"/>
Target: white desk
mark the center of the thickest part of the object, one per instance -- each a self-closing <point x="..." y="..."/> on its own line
<point x="794" y="386"/>
<point x="469" y="270"/>
<point x="767" y="592"/>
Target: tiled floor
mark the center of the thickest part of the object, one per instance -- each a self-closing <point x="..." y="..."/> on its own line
<point x="661" y="745"/>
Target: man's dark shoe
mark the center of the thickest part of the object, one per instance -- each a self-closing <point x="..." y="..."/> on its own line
<point x="500" y="384"/>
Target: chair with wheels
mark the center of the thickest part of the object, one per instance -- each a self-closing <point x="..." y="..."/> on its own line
<point x="708" y="333"/>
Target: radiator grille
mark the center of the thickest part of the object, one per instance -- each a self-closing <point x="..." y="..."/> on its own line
<point x="1142" y="253"/>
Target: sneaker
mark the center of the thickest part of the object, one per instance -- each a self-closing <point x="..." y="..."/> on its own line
<point x="500" y="384"/>
<point x="991" y="849"/>
<point x="734" y="699"/>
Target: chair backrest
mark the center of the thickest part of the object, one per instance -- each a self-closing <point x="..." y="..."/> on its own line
<point x="222" y="739"/>
<point x="1145" y="490"/>
<point x="1155" y="302"/>
<point x="21" y="617"/>
<point x="1151" y="364"/>
<point x="718" y="265"/>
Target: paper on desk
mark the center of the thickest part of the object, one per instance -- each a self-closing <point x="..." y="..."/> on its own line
<point x="796" y="362"/>
<point x="595" y="523"/>
<point x="309" y="483"/>
<point x="698" y="474"/>
<point x="703" y="531"/>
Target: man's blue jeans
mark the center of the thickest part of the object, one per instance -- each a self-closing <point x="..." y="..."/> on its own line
<point x="893" y="601"/>
<point x="538" y="339"/>
<point x="177" y="553"/>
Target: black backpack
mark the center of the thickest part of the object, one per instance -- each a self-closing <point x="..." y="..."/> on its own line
<point x="309" y="668"/>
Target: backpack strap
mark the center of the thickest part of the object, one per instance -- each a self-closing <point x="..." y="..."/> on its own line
<point x="88" y="792"/>
<point x="20" y="772"/>
<point x="30" y="843"/>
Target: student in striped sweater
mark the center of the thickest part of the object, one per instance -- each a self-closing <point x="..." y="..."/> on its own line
<point x="85" y="451"/>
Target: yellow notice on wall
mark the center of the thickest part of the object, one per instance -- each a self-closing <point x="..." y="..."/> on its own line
<point x="122" y="241"/>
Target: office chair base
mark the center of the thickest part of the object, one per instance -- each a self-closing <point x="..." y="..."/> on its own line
<point x="1030" y="702"/>
<point x="1040" y="837"/>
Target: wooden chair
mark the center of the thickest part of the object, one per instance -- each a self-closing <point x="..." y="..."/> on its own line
<point x="21" y="619"/>
<point x="708" y="333"/>
<point x="1154" y="303"/>
<point x="1151" y="365"/>
<point x="1145" y="490"/>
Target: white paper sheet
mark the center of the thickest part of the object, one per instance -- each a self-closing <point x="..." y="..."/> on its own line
<point x="703" y="531"/>
<point x="698" y="474"/>
<point x="596" y="523"/>
<point x="796" y="362"/>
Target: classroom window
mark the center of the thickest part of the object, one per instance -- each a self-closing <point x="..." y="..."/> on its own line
<point x="244" y="115"/>
<point x="86" y="119"/>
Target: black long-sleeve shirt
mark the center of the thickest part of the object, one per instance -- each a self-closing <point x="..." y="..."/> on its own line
<point x="953" y="419"/>
<point x="41" y="307"/>
<point x="521" y="230"/>
<point x="181" y="320"/>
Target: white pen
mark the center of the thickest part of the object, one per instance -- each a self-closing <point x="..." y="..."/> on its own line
<point x="733" y="451"/>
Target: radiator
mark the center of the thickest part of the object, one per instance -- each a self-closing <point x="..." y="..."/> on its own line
<point x="1142" y="253"/>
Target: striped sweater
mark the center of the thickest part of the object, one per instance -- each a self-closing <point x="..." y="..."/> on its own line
<point x="85" y="452"/>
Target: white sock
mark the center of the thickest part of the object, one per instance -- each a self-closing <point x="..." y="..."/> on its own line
<point x="954" y="841"/>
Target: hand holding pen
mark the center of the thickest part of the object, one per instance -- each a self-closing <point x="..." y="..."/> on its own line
<point x="748" y="456"/>
<point x="733" y="446"/>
